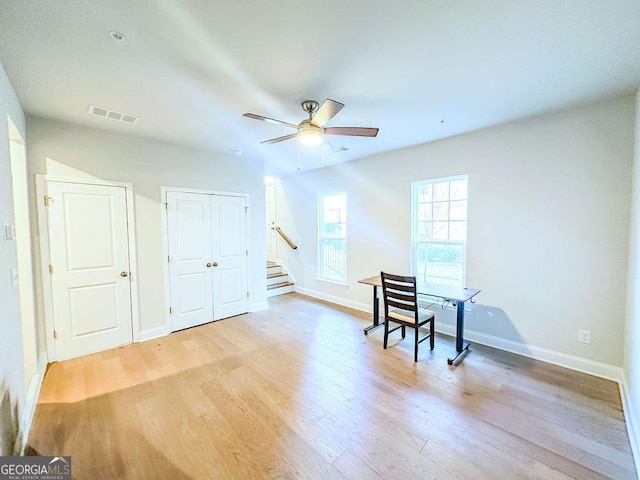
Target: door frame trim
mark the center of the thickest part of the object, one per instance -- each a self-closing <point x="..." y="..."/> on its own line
<point x="165" y="242"/>
<point x="43" y="239"/>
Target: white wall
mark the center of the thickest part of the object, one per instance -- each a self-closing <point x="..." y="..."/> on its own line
<point x="547" y="236"/>
<point x="12" y="381"/>
<point x="632" y="326"/>
<point x="68" y="150"/>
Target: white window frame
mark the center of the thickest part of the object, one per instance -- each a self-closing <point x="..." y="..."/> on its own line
<point x="415" y="240"/>
<point x="322" y="238"/>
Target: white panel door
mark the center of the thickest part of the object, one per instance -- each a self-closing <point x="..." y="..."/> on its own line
<point x="229" y="234"/>
<point x="190" y="264"/>
<point x="89" y="255"/>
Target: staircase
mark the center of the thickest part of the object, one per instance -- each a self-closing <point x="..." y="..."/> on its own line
<point x="278" y="281"/>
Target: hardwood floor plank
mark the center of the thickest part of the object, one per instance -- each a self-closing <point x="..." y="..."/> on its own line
<point x="353" y="467"/>
<point x="297" y="391"/>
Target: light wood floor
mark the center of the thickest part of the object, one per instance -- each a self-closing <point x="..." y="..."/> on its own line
<point x="297" y="391"/>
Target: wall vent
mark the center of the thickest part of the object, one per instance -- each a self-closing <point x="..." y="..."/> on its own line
<point x="106" y="113"/>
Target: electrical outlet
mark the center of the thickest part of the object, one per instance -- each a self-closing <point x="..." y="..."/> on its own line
<point x="9" y="232"/>
<point x="584" y="336"/>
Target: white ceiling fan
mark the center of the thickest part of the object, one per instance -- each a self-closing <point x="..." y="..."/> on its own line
<point x="311" y="131"/>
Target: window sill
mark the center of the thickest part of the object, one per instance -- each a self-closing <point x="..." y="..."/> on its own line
<point x="334" y="282"/>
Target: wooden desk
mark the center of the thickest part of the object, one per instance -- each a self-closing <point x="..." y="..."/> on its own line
<point x="457" y="295"/>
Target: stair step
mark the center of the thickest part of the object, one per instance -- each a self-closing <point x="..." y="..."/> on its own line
<point x="278" y="281"/>
<point x="278" y="274"/>
<point x="279" y="285"/>
<point x="277" y="278"/>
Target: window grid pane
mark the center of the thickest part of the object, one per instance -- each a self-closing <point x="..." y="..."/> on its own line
<point x="440" y="230"/>
<point x="439" y="263"/>
<point x="332" y="251"/>
<point x="458" y="190"/>
<point x="334" y="259"/>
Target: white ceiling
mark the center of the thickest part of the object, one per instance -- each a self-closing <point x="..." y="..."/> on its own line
<point x="419" y="70"/>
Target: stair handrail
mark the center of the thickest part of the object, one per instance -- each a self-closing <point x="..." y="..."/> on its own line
<point x="286" y="239"/>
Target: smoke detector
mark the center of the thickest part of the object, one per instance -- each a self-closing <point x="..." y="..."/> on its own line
<point x="117" y="37"/>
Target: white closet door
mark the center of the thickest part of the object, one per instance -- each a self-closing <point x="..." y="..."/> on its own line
<point x="189" y="236"/>
<point x="89" y="255"/>
<point x="229" y="234"/>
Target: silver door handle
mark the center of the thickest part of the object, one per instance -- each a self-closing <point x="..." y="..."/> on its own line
<point x="124" y="274"/>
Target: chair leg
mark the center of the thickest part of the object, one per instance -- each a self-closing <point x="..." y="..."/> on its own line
<point x="432" y="338"/>
<point x="403" y="332"/>
<point x="386" y="332"/>
<point x="415" y="341"/>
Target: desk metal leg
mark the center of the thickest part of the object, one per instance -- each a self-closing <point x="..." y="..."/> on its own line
<point x="376" y="318"/>
<point x="461" y="348"/>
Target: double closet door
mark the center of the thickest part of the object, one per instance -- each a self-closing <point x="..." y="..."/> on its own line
<point x="207" y="240"/>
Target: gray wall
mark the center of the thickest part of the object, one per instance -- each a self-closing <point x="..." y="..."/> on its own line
<point x="62" y="149"/>
<point x="549" y="201"/>
<point x="632" y="326"/>
<point x="548" y="230"/>
<point x="12" y="381"/>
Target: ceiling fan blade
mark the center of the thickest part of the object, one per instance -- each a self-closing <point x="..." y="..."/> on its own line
<point x="281" y="139"/>
<point x="352" y="131"/>
<point x="326" y="112"/>
<point x="270" y="120"/>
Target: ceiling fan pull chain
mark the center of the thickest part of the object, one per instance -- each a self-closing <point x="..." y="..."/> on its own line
<point x="298" y="143"/>
<point x="323" y="149"/>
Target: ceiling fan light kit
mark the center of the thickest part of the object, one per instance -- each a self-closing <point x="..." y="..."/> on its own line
<point x="311" y="131"/>
<point x="309" y="134"/>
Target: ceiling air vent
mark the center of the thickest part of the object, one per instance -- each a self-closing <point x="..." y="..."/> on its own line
<point x="106" y="113"/>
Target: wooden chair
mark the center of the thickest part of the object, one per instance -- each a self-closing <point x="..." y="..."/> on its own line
<point x="401" y="307"/>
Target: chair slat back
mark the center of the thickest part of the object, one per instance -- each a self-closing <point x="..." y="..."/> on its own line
<point x="399" y="292"/>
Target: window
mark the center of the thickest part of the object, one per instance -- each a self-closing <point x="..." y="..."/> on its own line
<point x="439" y="230"/>
<point x="332" y="237"/>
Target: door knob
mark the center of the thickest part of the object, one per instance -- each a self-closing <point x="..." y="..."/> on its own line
<point x="215" y="264"/>
<point x="209" y="265"/>
<point x="124" y="274"/>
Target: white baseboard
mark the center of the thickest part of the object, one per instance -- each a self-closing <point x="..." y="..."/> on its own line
<point x="264" y="305"/>
<point x="580" y="364"/>
<point x="154" y="333"/>
<point x="30" y="404"/>
<point x="29" y="410"/>
<point x="363" y="307"/>
<point x="572" y="362"/>
<point x="164" y="330"/>
<point x="631" y="420"/>
<point x="598" y="369"/>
